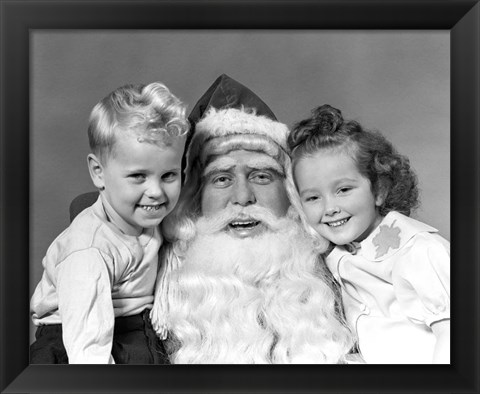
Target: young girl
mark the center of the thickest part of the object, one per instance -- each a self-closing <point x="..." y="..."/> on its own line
<point x="93" y="302"/>
<point x="394" y="271"/>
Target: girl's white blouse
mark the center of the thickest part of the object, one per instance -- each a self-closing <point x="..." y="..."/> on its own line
<point x="395" y="285"/>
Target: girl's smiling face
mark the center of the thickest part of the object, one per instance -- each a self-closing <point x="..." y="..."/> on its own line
<point x="337" y="199"/>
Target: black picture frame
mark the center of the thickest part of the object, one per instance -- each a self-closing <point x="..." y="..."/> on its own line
<point x="19" y="18"/>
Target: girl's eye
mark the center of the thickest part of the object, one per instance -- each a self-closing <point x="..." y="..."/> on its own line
<point x="169" y="176"/>
<point x="261" y="178"/>
<point x="344" y="190"/>
<point x="311" y="198"/>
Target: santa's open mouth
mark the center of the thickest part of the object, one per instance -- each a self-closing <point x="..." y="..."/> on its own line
<point x="244" y="224"/>
<point x="245" y="227"/>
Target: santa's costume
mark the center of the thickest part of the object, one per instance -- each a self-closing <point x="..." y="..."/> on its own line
<point x="263" y="299"/>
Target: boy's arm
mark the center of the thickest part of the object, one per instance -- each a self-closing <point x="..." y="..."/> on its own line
<point x="85" y="307"/>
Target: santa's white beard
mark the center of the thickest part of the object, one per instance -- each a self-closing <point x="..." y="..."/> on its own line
<point x="264" y="299"/>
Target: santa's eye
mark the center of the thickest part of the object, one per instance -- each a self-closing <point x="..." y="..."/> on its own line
<point x="222" y="180"/>
<point x="261" y="177"/>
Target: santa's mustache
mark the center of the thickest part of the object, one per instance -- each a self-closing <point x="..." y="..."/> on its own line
<point x="233" y="213"/>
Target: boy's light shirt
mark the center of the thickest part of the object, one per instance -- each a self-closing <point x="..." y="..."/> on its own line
<point x="94" y="273"/>
<point x="394" y="287"/>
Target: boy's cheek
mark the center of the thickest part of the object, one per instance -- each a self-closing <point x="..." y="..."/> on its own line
<point x="174" y="193"/>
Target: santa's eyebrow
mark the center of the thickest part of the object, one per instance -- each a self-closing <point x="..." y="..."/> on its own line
<point x="257" y="163"/>
<point x="213" y="169"/>
<point x="265" y="162"/>
<point x="267" y="167"/>
<point x="218" y="162"/>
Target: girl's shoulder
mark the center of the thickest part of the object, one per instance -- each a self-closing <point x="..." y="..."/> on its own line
<point x="404" y="230"/>
<point x="407" y="224"/>
<point x="418" y="234"/>
<point x="424" y="250"/>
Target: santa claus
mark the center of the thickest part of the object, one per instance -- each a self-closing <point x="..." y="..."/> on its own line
<point x="241" y="279"/>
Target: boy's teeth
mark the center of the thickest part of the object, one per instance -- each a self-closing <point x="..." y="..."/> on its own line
<point x="150" y="207"/>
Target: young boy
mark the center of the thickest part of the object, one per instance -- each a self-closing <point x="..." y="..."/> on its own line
<point x="93" y="301"/>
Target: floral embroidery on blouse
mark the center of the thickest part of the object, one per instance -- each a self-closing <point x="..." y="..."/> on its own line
<point x="387" y="237"/>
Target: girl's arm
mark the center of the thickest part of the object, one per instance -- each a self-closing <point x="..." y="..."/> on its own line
<point x="422" y="284"/>
<point x="441" y="329"/>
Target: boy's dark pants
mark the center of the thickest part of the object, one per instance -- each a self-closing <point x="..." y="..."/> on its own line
<point x="134" y="342"/>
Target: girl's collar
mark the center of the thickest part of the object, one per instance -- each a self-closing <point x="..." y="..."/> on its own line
<point x="393" y="232"/>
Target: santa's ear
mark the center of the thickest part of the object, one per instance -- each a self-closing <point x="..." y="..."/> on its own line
<point x="95" y="168"/>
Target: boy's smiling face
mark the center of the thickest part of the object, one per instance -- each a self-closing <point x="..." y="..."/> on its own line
<point x="140" y="180"/>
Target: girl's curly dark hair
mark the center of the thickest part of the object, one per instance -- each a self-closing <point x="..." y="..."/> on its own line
<point x="389" y="172"/>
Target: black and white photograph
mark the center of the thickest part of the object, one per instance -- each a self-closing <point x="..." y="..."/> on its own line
<point x="396" y="83"/>
<point x="242" y="196"/>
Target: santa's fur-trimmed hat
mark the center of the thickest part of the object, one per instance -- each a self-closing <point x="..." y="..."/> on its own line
<point x="228" y="117"/>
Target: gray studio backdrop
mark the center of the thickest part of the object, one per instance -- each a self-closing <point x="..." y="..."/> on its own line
<point x="395" y="81"/>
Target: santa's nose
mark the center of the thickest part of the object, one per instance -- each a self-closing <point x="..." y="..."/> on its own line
<point x="242" y="193"/>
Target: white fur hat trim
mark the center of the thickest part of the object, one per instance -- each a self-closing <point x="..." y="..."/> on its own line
<point x="231" y="121"/>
